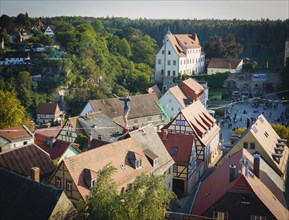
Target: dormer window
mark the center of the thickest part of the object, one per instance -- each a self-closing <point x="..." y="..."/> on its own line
<point x="174" y="151"/>
<point x="89" y="177"/>
<point x="152" y="157"/>
<point x="92" y="183"/>
<point x="135" y="159"/>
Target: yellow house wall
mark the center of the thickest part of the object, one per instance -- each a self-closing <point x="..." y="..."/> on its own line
<point x="64" y="175"/>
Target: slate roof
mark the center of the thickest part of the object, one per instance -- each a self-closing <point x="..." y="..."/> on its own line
<point x="183" y="143"/>
<point x="115" y="153"/>
<point x="48" y="108"/>
<point x="23" y="198"/>
<point x="99" y="125"/>
<point x="181" y="42"/>
<point x="203" y="124"/>
<point x="153" y="147"/>
<point x="16" y="133"/>
<point x="57" y="149"/>
<point x="224" y="63"/>
<point x="208" y="195"/>
<point x="141" y="106"/>
<point x="22" y="159"/>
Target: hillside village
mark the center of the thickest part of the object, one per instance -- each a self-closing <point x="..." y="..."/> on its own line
<point x="176" y="128"/>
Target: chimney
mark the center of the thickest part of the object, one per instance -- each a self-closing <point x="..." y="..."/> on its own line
<point x="165" y="134"/>
<point x="257" y="165"/>
<point x="232" y="172"/>
<point x="35" y="174"/>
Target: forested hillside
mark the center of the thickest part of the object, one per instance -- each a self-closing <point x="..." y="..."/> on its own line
<point x="263" y="40"/>
<point x="100" y="57"/>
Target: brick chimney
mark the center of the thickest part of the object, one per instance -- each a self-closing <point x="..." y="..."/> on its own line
<point x="35" y="174"/>
<point x="232" y="172"/>
<point x="165" y="134"/>
<point x="257" y="164"/>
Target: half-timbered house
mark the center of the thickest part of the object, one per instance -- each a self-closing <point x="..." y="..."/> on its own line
<point x="192" y="139"/>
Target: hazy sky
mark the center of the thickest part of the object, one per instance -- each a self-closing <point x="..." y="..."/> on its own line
<point x="228" y="9"/>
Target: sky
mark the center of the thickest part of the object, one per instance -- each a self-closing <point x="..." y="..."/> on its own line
<point x="172" y="9"/>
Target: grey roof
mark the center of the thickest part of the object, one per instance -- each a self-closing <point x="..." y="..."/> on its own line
<point x="23" y="198"/>
<point x="141" y="106"/>
<point x="151" y="142"/>
<point x="100" y="125"/>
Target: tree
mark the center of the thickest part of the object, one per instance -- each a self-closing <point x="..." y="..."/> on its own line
<point x="223" y="47"/>
<point x="12" y="113"/>
<point x="146" y="198"/>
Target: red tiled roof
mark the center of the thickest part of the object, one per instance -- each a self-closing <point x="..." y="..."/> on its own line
<point x="184" y="144"/>
<point x="141" y="106"/>
<point x="58" y="148"/>
<point x="217" y="185"/>
<point x="194" y="86"/>
<point x="49" y="132"/>
<point x="14" y="134"/>
<point x="180" y="41"/>
<point x="201" y="122"/>
<point x="115" y="153"/>
<point x="224" y="63"/>
<point x="48" y="108"/>
<point x="155" y="89"/>
<point x="22" y="159"/>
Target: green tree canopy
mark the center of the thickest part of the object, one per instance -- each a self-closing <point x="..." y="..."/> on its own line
<point x="146" y="198"/>
<point x="223" y="47"/>
<point x="12" y="113"/>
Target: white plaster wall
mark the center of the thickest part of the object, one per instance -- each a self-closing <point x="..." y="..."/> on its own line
<point x="168" y="101"/>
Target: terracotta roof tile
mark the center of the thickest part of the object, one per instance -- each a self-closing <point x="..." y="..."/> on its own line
<point x="224" y="63"/>
<point x="49" y="132"/>
<point x="194" y="86"/>
<point x="201" y="121"/>
<point x="58" y="147"/>
<point x="16" y="133"/>
<point x="48" y="108"/>
<point x="22" y="159"/>
<point x="183" y="143"/>
<point x="217" y="185"/>
<point x="181" y="42"/>
<point x="115" y="153"/>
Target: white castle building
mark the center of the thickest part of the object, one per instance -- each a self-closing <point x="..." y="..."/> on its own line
<point x="180" y="54"/>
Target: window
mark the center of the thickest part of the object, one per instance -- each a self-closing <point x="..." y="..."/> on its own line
<point x="174" y="151"/>
<point x="163" y="52"/>
<point x="162" y="72"/>
<point x="159" y="61"/>
<point x="257" y="217"/>
<point x="174" y="62"/>
<point x="92" y="183"/>
<point x="68" y="185"/>
<point x="169" y="52"/>
<point x="245" y="145"/>
<point x="169" y="62"/>
<point x="138" y="164"/>
<point x="169" y="170"/>
<point x="169" y="72"/>
<point x="220" y="215"/>
<point x="252" y="145"/>
<point x="175" y="168"/>
<point x="174" y="73"/>
<point x="25" y="142"/>
<point x="172" y="108"/>
<point x="245" y="198"/>
<point x="58" y="182"/>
